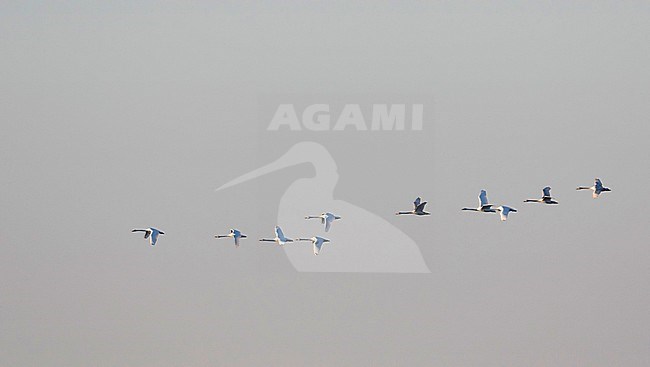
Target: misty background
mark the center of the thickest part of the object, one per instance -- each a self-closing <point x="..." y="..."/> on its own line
<point x="123" y="115"/>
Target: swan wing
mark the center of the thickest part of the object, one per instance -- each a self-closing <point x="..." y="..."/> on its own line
<point x="504" y="211"/>
<point x="154" y="238"/>
<point x="482" y="198"/>
<point x="598" y="185"/>
<point x="318" y="244"/>
<point x="279" y="234"/>
<point x="420" y="207"/>
<point x="328" y="223"/>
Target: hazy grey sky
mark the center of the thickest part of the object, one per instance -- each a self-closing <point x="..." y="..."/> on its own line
<point x="120" y="116"/>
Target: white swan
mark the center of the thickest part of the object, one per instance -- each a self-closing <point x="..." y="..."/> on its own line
<point x="234" y="233"/>
<point x="325" y="218"/>
<point x="597" y="188"/>
<point x="280" y="239"/>
<point x="546" y="197"/>
<point x="150" y="233"/>
<point x="418" y="208"/>
<point x="483" y="205"/>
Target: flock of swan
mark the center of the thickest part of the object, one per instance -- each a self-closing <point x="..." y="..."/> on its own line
<point x="317" y="242"/>
<point x="327" y="218"/>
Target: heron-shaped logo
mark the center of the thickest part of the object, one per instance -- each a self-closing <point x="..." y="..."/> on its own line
<point x="360" y="242"/>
